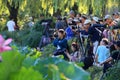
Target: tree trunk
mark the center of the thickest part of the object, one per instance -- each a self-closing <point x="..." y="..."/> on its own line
<point x="103" y="9"/>
<point x="90" y="9"/>
<point x="13" y="10"/>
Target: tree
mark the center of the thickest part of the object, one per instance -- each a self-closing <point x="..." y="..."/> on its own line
<point x="13" y="10"/>
<point x="35" y="7"/>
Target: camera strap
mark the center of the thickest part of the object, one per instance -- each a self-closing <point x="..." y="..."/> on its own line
<point x="100" y="32"/>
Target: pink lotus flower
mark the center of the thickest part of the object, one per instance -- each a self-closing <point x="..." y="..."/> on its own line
<point x="4" y="44"/>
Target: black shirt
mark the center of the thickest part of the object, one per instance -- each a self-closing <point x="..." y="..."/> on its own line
<point x="116" y="55"/>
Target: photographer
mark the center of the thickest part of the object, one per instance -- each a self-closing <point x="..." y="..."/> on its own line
<point x="71" y="29"/>
<point x="115" y="56"/>
<point x="72" y="14"/>
<point x="78" y="24"/>
<point x="44" y="28"/>
<point x="93" y="32"/>
<point x="116" y="16"/>
<point x="109" y="32"/>
<point x="75" y="55"/>
<point x="59" y="24"/>
<point x="61" y="44"/>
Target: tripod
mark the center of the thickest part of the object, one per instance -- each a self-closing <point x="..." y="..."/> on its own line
<point x="45" y="37"/>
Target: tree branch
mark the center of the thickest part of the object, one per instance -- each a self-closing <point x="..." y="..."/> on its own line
<point x="8" y="4"/>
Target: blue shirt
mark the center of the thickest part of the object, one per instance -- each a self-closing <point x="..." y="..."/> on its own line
<point x="103" y="53"/>
<point x="69" y="33"/>
<point x="61" y="43"/>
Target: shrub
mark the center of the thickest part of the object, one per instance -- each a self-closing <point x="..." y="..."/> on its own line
<point x="11" y="63"/>
<point x="113" y="72"/>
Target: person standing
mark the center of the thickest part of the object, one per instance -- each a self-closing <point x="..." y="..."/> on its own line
<point x="115" y="56"/>
<point x="102" y="52"/>
<point x="110" y="33"/>
<point x="11" y="25"/>
<point x="93" y="33"/>
<point x="59" y="24"/>
<point x="72" y="14"/>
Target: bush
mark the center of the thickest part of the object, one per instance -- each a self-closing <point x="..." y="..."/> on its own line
<point x="57" y="69"/>
<point x="11" y="63"/>
<point x="28" y="37"/>
<point x="16" y="66"/>
<point x="113" y="72"/>
<point x="26" y="74"/>
<point x="96" y="72"/>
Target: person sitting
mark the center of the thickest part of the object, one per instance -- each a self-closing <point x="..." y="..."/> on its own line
<point x="75" y="55"/>
<point x="103" y="52"/>
<point x="61" y="43"/>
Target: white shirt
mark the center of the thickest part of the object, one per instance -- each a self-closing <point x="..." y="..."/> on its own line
<point x="11" y="25"/>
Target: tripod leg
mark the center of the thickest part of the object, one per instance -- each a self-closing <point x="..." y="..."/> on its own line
<point x="81" y="45"/>
<point x="41" y="41"/>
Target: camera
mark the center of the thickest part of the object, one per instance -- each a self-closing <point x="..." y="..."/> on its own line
<point x="46" y="22"/>
<point x="55" y="34"/>
<point x="72" y="23"/>
<point x="74" y="27"/>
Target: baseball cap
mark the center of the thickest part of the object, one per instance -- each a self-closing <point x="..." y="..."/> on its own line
<point x="76" y="20"/>
<point x="108" y="17"/>
<point x="87" y="22"/>
<point x="118" y="13"/>
<point x="117" y="43"/>
<point x="95" y="19"/>
<point x="59" y="18"/>
<point x="72" y="12"/>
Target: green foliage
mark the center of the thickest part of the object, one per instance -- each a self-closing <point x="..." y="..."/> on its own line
<point x="25" y="37"/>
<point x="34" y="8"/>
<point x="16" y="66"/>
<point x="53" y="69"/>
<point x="11" y="63"/>
<point x="28" y="62"/>
<point x="68" y="70"/>
<point x="48" y="51"/>
<point x="26" y="74"/>
<point x="96" y="72"/>
<point x="113" y="72"/>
